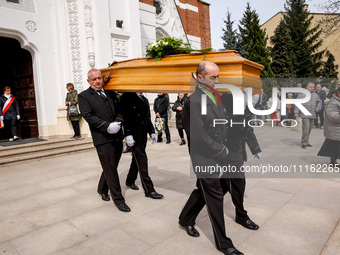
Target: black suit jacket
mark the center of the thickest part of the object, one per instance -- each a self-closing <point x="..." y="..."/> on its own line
<point x="99" y="112"/>
<point x="161" y="105"/>
<point x="206" y="141"/>
<point x="136" y="113"/>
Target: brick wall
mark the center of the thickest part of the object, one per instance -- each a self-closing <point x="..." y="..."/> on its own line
<point x="194" y="23"/>
<point x="197" y="24"/>
<point x="204" y="20"/>
<point x="147" y="2"/>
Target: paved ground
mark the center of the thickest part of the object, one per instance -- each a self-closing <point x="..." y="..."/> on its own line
<point x="51" y="206"/>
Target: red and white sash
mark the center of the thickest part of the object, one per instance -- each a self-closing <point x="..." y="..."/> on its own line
<point x="7" y="105"/>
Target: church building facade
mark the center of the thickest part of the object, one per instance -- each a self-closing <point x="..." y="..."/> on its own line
<point x="49" y="43"/>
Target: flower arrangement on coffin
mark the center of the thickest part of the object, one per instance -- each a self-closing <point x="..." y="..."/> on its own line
<point x="169" y="46"/>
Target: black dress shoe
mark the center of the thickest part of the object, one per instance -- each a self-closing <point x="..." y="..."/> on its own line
<point x="182" y="142"/>
<point x="168" y="141"/>
<point x="191" y="230"/>
<point x="123" y="207"/>
<point x="248" y="224"/>
<point x="132" y="186"/>
<point x="231" y="251"/>
<point x="303" y="146"/>
<point x="105" y="197"/>
<point x="154" y="195"/>
<point x="309" y="145"/>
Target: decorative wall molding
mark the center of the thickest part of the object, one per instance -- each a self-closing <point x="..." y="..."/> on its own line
<point x="120" y="47"/>
<point x="170" y="21"/>
<point x="186" y="6"/>
<point x="31" y="26"/>
<point x="89" y="32"/>
<point x="75" y="43"/>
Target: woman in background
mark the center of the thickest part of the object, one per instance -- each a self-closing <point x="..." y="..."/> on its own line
<point x="178" y="108"/>
<point x="331" y="145"/>
<point x="72" y="99"/>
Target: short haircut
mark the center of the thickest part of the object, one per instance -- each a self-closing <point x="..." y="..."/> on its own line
<point x="7" y="87"/>
<point x="70" y="85"/>
<point x="91" y="70"/>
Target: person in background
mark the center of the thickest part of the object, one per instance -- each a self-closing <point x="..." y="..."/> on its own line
<point x="312" y="106"/>
<point x="261" y="104"/>
<point x="72" y="99"/>
<point x="127" y="149"/>
<point x="289" y="110"/>
<point x="9" y="114"/>
<point x="275" y="115"/>
<point x="178" y="108"/>
<point x="160" y="107"/>
<point x="331" y="145"/>
<point x="322" y="94"/>
<point x="298" y="85"/>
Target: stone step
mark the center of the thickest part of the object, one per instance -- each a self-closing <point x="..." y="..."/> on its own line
<point x="38" y="150"/>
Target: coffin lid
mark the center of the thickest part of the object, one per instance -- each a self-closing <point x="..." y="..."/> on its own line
<point x="172" y="74"/>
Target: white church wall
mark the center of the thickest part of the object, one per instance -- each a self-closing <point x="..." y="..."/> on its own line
<point x="147" y="26"/>
<point x="67" y="38"/>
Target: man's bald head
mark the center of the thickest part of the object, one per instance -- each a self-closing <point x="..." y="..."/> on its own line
<point x="208" y="73"/>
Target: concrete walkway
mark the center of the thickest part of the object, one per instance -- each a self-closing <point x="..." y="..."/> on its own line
<point x="51" y="206"/>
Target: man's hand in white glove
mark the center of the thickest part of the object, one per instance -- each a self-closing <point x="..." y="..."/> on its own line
<point x="113" y="127"/>
<point x="129" y="140"/>
<point x="2" y="117"/>
<point x="258" y="156"/>
<point x="18" y="117"/>
<point x="154" y="138"/>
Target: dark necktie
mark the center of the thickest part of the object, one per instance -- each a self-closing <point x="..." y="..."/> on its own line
<point x="101" y="93"/>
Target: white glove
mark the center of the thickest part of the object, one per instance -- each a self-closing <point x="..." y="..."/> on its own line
<point x="18" y="117"/>
<point x="129" y="140"/>
<point x="2" y="117"/>
<point x="258" y="156"/>
<point x="154" y="138"/>
<point x="113" y="127"/>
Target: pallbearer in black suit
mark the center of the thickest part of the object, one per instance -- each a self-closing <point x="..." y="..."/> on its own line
<point x="137" y="124"/>
<point x="100" y="109"/>
<point x="207" y="149"/>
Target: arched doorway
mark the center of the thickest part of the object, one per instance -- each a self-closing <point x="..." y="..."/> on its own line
<point x="16" y="71"/>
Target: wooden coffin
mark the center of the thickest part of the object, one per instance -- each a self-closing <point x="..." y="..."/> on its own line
<point x="172" y="74"/>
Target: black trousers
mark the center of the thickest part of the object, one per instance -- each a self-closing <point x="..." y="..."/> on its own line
<point x="75" y="125"/>
<point x="181" y="133"/>
<point x="236" y="186"/>
<point x="109" y="155"/>
<point x="166" y="130"/>
<point x="209" y="192"/>
<point x="11" y="128"/>
<point x="322" y="119"/>
<point x="139" y="164"/>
